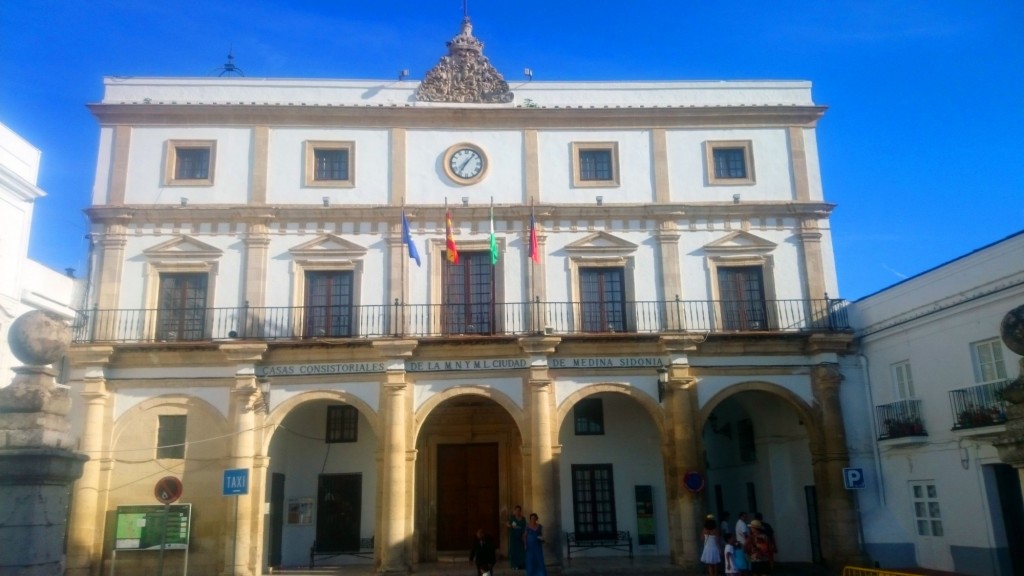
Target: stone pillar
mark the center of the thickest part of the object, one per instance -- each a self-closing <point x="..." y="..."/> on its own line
<point x="108" y="291"/>
<point x="838" y="515"/>
<point x="1010" y="443"/>
<point x="241" y="553"/>
<point x="257" y="244"/>
<point x="396" y="475"/>
<point x="671" y="278"/>
<point x="681" y="451"/>
<point x="37" y="466"/>
<point x="85" y="543"/>
<point x="542" y="497"/>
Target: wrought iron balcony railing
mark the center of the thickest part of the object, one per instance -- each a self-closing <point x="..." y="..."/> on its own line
<point x="428" y="320"/>
<point x="900" y="419"/>
<point x="978" y="406"/>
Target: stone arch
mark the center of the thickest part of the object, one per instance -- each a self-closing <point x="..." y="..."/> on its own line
<point x="499" y="398"/>
<point x="648" y="404"/>
<point x="809" y="414"/>
<point x="278" y="414"/>
<point x="187" y="403"/>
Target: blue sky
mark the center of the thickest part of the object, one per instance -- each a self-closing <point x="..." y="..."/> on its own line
<point x="922" y="147"/>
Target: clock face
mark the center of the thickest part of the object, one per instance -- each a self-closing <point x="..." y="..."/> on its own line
<point x="465" y="164"/>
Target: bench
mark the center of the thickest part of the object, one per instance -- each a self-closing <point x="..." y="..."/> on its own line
<point x="365" y="551"/>
<point x="621" y="541"/>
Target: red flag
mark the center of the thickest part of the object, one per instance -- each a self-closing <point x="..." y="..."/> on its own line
<point x="534" y="250"/>
<point x="451" y="249"/>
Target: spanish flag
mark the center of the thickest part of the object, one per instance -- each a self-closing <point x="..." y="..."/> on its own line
<point x="450" y="247"/>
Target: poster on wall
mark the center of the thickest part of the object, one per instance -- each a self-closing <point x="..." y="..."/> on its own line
<point x="300" y="511"/>
<point x="644" y="515"/>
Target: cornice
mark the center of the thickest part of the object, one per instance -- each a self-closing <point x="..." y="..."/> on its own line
<point x="171" y="214"/>
<point x="481" y="117"/>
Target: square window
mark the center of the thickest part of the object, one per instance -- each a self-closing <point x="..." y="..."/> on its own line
<point x="342" y="424"/>
<point x="730" y="163"/>
<point x="588" y="415"/>
<point x="329" y="164"/>
<point x="595" y="164"/>
<point x="170" y="438"/>
<point x="189" y="163"/>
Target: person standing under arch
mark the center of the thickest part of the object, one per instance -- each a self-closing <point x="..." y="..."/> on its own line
<point x="516" y="543"/>
<point x="533" y="537"/>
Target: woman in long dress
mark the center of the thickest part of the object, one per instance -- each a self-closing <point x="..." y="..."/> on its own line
<point x="516" y="546"/>
<point x="533" y="537"/>
<point x="711" y="555"/>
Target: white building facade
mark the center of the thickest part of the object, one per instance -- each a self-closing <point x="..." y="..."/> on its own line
<point x="25" y="284"/>
<point x="940" y="496"/>
<point x="638" y="329"/>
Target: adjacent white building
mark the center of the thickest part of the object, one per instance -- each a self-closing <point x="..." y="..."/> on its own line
<point x="939" y="496"/>
<point x="24" y="284"/>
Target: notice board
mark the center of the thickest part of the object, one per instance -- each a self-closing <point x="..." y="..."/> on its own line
<point x="142" y="527"/>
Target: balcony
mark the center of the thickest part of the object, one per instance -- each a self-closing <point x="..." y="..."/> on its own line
<point x="901" y="420"/>
<point x="429" y="321"/>
<point x="978" y="406"/>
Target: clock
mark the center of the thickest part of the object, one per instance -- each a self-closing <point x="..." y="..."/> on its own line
<point x="465" y="163"/>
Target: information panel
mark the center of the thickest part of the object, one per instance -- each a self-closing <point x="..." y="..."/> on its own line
<point x="140" y="527"/>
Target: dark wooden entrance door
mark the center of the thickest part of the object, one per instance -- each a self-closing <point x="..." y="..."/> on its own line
<point x="276" y="518"/>
<point x="338" y="507"/>
<point x="467" y="493"/>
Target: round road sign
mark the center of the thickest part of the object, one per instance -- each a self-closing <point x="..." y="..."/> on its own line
<point x="693" y="481"/>
<point x="168" y="489"/>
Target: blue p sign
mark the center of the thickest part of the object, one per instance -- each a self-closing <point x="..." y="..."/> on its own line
<point x="853" y="478"/>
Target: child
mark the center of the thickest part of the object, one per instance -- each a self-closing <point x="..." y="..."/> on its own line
<point x="739" y="557"/>
<point x="730" y="551"/>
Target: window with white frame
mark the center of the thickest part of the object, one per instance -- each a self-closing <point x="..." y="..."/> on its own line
<point x="987" y="357"/>
<point x="903" y="381"/>
<point x="190" y="162"/>
<point x="927" y="515"/>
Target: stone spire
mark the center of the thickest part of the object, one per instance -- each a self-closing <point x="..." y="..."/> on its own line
<point x="465" y="75"/>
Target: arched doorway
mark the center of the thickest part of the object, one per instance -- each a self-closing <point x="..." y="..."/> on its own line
<point x="322" y="478"/>
<point x="757" y="452"/>
<point x="469" y="471"/>
<point x="611" y="468"/>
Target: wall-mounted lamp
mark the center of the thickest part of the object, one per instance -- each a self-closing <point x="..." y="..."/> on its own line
<point x="528" y="72"/>
<point x="724" y="430"/>
<point x="261" y="399"/>
<point x="403" y="74"/>
<point x="465" y="201"/>
<point x="184" y="201"/>
<point x="662" y="382"/>
<point x="735" y="198"/>
<point x="600" y="200"/>
<point x="327" y="201"/>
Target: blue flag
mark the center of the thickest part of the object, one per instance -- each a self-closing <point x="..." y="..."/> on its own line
<point x="407" y="240"/>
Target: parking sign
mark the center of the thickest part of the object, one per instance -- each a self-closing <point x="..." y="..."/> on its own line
<point x="853" y="478"/>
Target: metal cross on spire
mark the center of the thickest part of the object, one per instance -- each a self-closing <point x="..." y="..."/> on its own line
<point x="465" y="8"/>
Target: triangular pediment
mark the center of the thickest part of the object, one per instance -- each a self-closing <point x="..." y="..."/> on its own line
<point x="601" y="243"/>
<point x="328" y="246"/>
<point x="183" y="247"/>
<point x="740" y="242"/>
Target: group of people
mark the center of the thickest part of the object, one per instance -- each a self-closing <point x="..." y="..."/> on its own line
<point x="525" y="546"/>
<point x="749" y="550"/>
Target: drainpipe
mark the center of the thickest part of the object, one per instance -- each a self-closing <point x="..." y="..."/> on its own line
<point x="874" y="428"/>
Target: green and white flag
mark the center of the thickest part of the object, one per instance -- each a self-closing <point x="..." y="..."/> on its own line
<point x="494" y="241"/>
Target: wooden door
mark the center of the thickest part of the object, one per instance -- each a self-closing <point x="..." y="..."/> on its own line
<point x="276" y="519"/>
<point x="467" y="493"/>
<point x="338" y="512"/>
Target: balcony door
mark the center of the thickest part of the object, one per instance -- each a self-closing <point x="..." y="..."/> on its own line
<point x="181" y="313"/>
<point x="602" y="300"/>
<point x="469" y="294"/>
<point x="329" y="304"/>
<point x="741" y="290"/>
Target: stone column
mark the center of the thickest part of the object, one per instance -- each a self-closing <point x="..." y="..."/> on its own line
<point x="241" y="553"/>
<point x="542" y="496"/>
<point x="671" y="278"/>
<point x="838" y="516"/>
<point x="396" y="475"/>
<point x="108" y="291"/>
<point x="681" y="450"/>
<point x="85" y="543"/>
<point x="257" y="244"/>
<point x="37" y="466"/>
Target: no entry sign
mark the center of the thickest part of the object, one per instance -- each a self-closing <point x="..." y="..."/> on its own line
<point x="168" y="489"/>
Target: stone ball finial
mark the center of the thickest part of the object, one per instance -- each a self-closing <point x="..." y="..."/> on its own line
<point x="1012" y="330"/>
<point x="39" y="338"/>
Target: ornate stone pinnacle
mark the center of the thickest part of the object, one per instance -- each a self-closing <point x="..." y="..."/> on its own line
<point x="465" y="75"/>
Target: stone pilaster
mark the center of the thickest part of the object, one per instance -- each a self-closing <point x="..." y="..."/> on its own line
<point x="838" y="516"/>
<point x="397" y="470"/>
<point x="242" y="553"/>
<point x="541" y="496"/>
<point x="814" y="270"/>
<point x="257" y="244"/>
<point x="108" y="289"/>
<point x="85" y="543"/>
<point x="671" y="279"/>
